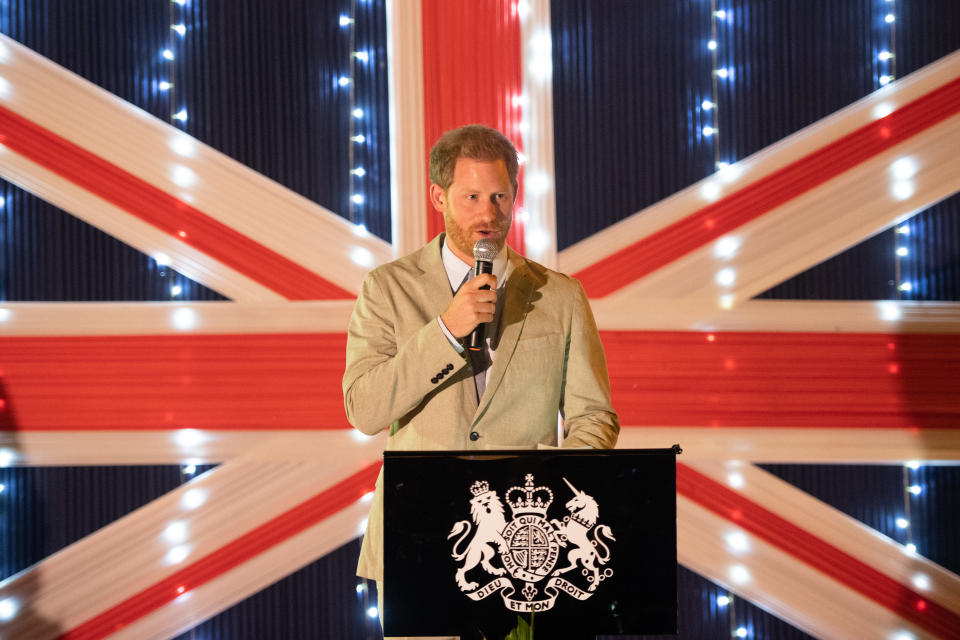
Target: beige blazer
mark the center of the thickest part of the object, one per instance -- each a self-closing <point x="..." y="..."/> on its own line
<point x="402" y="372"/>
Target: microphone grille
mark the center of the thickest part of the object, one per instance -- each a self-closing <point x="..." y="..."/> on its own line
<point x="485" y="250"/>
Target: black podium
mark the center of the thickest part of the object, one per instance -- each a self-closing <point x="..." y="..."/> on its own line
<point x="583" y="542"/>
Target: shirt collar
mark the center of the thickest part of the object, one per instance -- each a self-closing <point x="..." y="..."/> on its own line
<point x="457" y="269"/>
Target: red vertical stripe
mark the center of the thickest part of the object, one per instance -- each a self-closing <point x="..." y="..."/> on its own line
<point x="472" y="74"/>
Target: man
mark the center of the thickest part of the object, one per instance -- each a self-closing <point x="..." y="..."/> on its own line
<point x="406" y="366"/>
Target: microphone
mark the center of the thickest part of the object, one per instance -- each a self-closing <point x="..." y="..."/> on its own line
<point x="484" y="251"/>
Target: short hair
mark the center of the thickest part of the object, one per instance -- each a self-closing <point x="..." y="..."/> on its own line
<point x="474" y="141"/>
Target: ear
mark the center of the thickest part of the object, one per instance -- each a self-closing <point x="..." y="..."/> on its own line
<point x="437" y="197"/>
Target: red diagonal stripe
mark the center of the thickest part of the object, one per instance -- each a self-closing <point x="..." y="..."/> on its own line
<point x="233" y="554"/>
<point x="713" y="221"/>
<point x="817" y="553"/>
<point x="158" y="208"/>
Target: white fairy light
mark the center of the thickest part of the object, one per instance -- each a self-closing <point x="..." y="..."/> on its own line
<point x="902" y="523"/>
<point x="8" y="608"/>
<point x="726" y="277"/>
<point x="710" y="191"/>
<point x="739" y="574"/>
<point x="882" y="110"/>
<point x="184" y="318"/>
<point x="723" y="601"/>
<point x="537" y="183"/>
<point x="193" y="498"/>
<point x="167" y="54"/>
<point x="189" y="438"/>
<point x="179" y="28"/>
<point x="890" y="311"/>
<point x="357" y="198"/>
<point x="737" y="541"/>
<point x="183" y="145"/>
<point x="175" y="532"/>
<point x="183" y="176"/>
<point x="915" y="489"/>
<point x="362" y="256"/>
<point x="902" y="251"/>
<point x="904" y="168"/>
<point x="902" y="189"/>
<point x="726" y="247"/>
<point x="177" y="554"/>
<point x="361" y="231"/>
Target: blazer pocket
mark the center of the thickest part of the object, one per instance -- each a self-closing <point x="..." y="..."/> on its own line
<point x="551" y="340"/>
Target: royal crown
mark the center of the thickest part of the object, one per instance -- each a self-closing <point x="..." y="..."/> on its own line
<point x="529" y="499"/>
<point x="479" y="488"/>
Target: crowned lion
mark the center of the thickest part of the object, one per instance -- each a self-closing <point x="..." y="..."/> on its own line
<point x="486" y="509"/>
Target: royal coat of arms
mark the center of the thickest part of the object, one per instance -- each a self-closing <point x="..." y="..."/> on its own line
<point x="530" y="547"/>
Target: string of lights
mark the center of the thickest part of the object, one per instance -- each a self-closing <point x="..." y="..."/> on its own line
<point x="358" y="58"/>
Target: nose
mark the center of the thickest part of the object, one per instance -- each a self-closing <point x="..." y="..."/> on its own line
<point x="494" y="208"/>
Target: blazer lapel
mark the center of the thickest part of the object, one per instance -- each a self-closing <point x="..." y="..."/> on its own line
<point x="517" y="292"/>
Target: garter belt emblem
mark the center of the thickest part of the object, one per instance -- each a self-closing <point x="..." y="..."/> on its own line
<point x="520" y="554"/>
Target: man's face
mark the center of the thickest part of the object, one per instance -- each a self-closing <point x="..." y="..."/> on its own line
<point x="477" y="204"/>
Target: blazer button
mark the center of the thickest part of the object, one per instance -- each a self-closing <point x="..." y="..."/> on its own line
<point x="474" y="436"/>
<point x="433" y="379"/>
<point x="449" y="367"/>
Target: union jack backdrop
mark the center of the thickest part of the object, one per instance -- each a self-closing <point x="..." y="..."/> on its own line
<point x="666" y="164"/>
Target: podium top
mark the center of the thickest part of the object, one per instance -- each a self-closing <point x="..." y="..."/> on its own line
<point x="474" y="453"/>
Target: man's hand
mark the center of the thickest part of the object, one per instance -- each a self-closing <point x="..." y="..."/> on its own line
<point x="471" y="306"/>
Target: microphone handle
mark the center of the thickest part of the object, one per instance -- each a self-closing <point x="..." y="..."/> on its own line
<point x="476" y="336"/>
